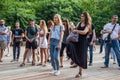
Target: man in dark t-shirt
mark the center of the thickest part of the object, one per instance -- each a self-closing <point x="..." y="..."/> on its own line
<point x="17" y="35"/>
<point x="31" y="34"/>
<point x="90" y="39"/>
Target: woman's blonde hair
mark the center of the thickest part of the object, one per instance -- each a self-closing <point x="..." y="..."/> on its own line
<point x="59" y="19"/>
<point x="43" y="25"/>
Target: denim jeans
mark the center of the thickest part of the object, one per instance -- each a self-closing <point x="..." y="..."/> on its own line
<point x="90" y="52"/>
<point x="113" y="54"/>
<point x="54" y="53"/>
<point x="101" y="45"/>
<point x="116" y="47"/>
<point x="16" y="46"/>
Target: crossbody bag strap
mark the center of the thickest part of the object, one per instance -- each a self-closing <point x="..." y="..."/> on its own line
<point x="113" y="29"/>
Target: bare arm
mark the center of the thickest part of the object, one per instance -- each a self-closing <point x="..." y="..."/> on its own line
<point x="104" y="32"/>
<point x="94" y="36"/>
<point x="61" y="37"/>
<point x="45" y="33"/>
<point x="26" y="36"/>
<point x="82" y="32"/>
<point x="4" y="32"/>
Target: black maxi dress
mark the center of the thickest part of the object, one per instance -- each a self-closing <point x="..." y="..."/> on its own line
<point x="78" y="51"/>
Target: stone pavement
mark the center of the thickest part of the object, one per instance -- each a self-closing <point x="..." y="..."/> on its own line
<point x="12" y="71"/>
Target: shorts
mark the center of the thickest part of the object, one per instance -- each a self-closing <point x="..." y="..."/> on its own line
<point x="32" y="45"/>
<point x="3" y="44"/>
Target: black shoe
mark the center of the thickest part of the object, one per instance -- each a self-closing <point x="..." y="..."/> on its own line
<point x="23" y="64"/>
<point x="33" y="63"/>
<point x="12" y="60"/>
<point x="104" y="67"/>
<point x="90" y="64"/>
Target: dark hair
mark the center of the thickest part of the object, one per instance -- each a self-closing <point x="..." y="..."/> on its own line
<point x="67" y="26"/>
<point x="88" y="20"/>
<point x="114" y="16"/>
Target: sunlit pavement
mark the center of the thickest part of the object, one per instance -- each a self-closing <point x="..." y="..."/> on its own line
<point x="12" y="71"/>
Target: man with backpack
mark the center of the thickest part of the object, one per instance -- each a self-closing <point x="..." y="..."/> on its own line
<point x="31" y="34"/>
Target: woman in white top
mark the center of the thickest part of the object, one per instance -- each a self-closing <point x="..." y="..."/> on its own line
<point x="43" y="41"/>
<point x="9" y="36"/>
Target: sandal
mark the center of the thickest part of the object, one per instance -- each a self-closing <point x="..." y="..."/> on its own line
<point x="23" y="64"/>
<point x="78" y="75"/>
<point x="39" y="64"/>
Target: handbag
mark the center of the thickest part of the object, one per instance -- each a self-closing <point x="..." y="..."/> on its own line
<point x="108" y="39"/>
<point x="73" y="37"/>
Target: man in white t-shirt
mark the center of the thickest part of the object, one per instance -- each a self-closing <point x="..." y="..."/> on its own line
<point x="114" y="40"/>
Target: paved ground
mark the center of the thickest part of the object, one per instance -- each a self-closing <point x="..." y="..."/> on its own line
<point x="12" y="71"/>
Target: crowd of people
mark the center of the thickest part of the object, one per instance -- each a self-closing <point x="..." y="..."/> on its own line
<point x="48" y="42"/>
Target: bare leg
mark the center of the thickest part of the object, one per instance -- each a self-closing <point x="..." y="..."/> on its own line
<point x="80" y="73"/>
<point x="1" y="54"/>
<point x="48" y="54"/>
<point x="33" y="61"/>
<point x="61" y="61"/>
<point x="45" y="53"/>
<point x="41" y="52"/>
<point x="25" y="54"/>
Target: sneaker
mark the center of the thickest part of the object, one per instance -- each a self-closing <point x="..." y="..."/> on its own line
<point x="57" y="73"/>
<point x="7" y="55"/>
<point x="104" y="67"/>
<point x="90" y="64"/>
<point x="12" y="60"/>
<point x="23" y="64"/>
<point x="53" y="72"/>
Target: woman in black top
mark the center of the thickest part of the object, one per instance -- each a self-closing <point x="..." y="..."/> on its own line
<point x="79" y="56"/>
<point x="66" y="33"/>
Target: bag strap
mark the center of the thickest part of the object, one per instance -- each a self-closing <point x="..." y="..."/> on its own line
<point x="114" y="27"/>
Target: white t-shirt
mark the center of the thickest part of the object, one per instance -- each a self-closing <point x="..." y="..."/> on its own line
<point x="56" y="31"/>
<point x="109" y="27"/>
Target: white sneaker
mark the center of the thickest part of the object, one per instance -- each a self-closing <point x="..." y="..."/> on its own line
<point x="53" y="72"/>
<point x="57" y="73"/>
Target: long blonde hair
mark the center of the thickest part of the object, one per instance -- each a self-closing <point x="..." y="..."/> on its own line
<point x="43" y="25"/>
<point x="59" y="19"/>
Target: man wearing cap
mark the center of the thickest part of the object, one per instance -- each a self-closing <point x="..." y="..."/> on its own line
<point x="3" y="38"/>
<point x="31" y="34"/>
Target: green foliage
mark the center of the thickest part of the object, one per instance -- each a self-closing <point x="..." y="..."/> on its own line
<point x="23" y="10"/>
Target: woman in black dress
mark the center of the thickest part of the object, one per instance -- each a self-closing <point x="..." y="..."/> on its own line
<point x="79" y="56"/>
